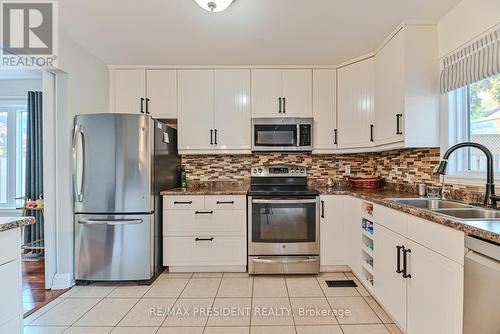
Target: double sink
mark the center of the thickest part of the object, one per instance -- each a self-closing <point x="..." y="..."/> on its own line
<point x="452" y="209"/>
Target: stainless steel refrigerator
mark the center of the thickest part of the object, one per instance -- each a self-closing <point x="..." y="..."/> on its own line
<point x="121" y="162"/>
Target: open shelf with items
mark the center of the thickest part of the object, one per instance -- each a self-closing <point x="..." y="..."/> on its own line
<point x="367" y="244"/>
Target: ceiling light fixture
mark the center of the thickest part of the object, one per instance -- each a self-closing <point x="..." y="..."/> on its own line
<point x="214" y="5"/>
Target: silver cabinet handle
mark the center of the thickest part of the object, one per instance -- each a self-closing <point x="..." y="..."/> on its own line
<point x="110" y="222"/>
<point x="283" y="201"/>
<point x="77" y="186"/>
<point x="270" y="261"/>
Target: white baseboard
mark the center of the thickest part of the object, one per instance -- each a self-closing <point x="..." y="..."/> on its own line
<point x="339" y="268"/>
<point x="204" y="269"/>
<point x="62" y="281"/>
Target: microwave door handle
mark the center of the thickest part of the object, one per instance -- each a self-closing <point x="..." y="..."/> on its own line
<point x="298" y="135"/>
<point x="282" y="201"/>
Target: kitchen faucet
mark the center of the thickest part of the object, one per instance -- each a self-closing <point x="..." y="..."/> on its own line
<point x="490" y="198"/>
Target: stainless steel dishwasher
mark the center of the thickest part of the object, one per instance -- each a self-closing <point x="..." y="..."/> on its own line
<point x="482" y="287"/>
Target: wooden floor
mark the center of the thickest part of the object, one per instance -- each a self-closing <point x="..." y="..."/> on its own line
<point x="34" y="294"/>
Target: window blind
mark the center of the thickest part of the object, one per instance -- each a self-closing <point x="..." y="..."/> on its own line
<point x="476" y="61"/>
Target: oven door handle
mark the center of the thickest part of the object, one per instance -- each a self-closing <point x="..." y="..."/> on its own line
<point x="269" y="261"/>
<point x="283" y="201"/>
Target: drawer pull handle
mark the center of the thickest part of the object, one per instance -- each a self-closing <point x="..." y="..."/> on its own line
<point x="203" y="212"/>
<point x="405" y="264"/>
<point x="204" y="239"/>
<point x="186" y="202"/>
<point x="227" y="202"/>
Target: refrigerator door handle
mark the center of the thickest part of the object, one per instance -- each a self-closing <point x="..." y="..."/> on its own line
<point x="78" y="181"/>
<point x="110" y="222"/>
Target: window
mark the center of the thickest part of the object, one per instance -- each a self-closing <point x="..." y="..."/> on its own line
<point x="475" y="116"/>
<point x="13" y="127"/>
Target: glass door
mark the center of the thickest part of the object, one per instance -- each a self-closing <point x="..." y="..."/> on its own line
<point x="271" y="135"/>
<point x="284" y="220"/>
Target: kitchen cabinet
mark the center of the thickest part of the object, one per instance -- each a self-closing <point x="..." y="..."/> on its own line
<point x="435" y="292"/>
<point x="429" y="298"/>
<point x="356" y="104"/>
<point x="196" y="110"/>
<point x="151" y="92"/>
<point x="281" y="93"/>
<point x="333" y="234"/>
<point x="406" y="88"/>
<point x="324" y="110"/>
<point x="388" y="283"/>
<point x="352" y="221"/>
<point x="214" y="111"/>
<point x="11" y="315"/>
<point x="204" y="233"/>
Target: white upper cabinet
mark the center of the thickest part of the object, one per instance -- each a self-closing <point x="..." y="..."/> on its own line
<point x="406" y="88"/>
<point x="214" y="111"/>
<point x="151" y="92"/>
<point x="196" y="110"/>
<point x="128" y="91"/>
<point x="324" y="110"/>
<point x="286" y="93"/>
<point x="162" y="93"/>
<point x="356" y="104"/>
<point x="232" y="110"/>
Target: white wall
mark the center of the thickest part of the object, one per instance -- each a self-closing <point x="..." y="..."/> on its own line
<point x="82" y="88"/>
<point x="466" y="21"/>
<point x="19" y="87"/>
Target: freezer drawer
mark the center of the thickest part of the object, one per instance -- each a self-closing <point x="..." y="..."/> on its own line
<point x="114" y="247"/>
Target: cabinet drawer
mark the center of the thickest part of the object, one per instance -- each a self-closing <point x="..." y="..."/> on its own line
<point x="208" y="250"/>
<point x="10" y="245"/>
<point x="441" y="239"/>
<point x="195" y="222"/>
<point x="183" y="202"/>
<point x="391" y="219"/>
<point x="225" y="202"/>
<point x="10" y="289"/>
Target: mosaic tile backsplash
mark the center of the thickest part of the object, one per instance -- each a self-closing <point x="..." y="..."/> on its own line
<point x="400" y="169"/>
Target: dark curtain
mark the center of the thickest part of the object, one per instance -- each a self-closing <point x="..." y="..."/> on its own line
<point x="34" y="163"/>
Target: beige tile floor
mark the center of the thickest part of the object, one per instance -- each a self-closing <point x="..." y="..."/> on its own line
<point x="256" y="305"/>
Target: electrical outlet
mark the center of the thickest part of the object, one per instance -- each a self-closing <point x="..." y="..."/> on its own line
<point x="347" y="169"/>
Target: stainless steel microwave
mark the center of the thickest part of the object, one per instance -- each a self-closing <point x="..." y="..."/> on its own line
<point x="282" y="134"/>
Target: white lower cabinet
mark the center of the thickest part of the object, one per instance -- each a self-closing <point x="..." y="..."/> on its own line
<point x="429" y="300"/>
<point x="435" y="293"/>
<point x="204" y="233"/>
<point x="388" y="284"/>
<point x="10" y="282"/>
<point x="352" y="214"/>
<point x="333" y="234"/>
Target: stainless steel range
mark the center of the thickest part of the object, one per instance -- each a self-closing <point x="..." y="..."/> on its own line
<point x="283" y="221"/>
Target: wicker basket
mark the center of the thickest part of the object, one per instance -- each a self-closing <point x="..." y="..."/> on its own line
<point x="365" y="182"/>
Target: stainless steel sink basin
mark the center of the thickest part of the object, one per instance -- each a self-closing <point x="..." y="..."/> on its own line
<point x="429" y="203"/>
<point x="471" y="213"/>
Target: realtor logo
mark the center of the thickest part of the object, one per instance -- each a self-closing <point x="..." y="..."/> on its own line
<point x="29" y="33"/>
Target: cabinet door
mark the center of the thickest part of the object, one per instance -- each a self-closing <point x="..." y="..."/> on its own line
<point x="388" y="285"/>
<point x="389" y="91"/>
<point x="129" y="88"/>
<point x="266" y="90"/>
<point x="435" y="292"/>
<point x="162" y="93"/>
<point x="355" y="104"/>
<point x="332" y="231"/>
<point x="324" y="109"/>
<point x="10" y="280"/>
<point x="232" y="110"/>
<point x="196" y="109"/>
<point x="296" y="89"/>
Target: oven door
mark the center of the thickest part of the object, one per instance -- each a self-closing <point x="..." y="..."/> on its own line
<point x="283" y="226"/>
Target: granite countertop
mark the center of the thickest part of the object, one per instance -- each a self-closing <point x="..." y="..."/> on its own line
<point x="211" y="188"/>
<point x="9" y="223"/>
<point x="378" y="196"/>
<point x="476" y="228"/>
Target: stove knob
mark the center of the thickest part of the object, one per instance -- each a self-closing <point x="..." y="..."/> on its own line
<point x="302" y="170"/>
<point x="292" y="171"/>
<point x="255" y="170"/>
<point x="260" y="170"/>
<point x="296" y="170"/>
